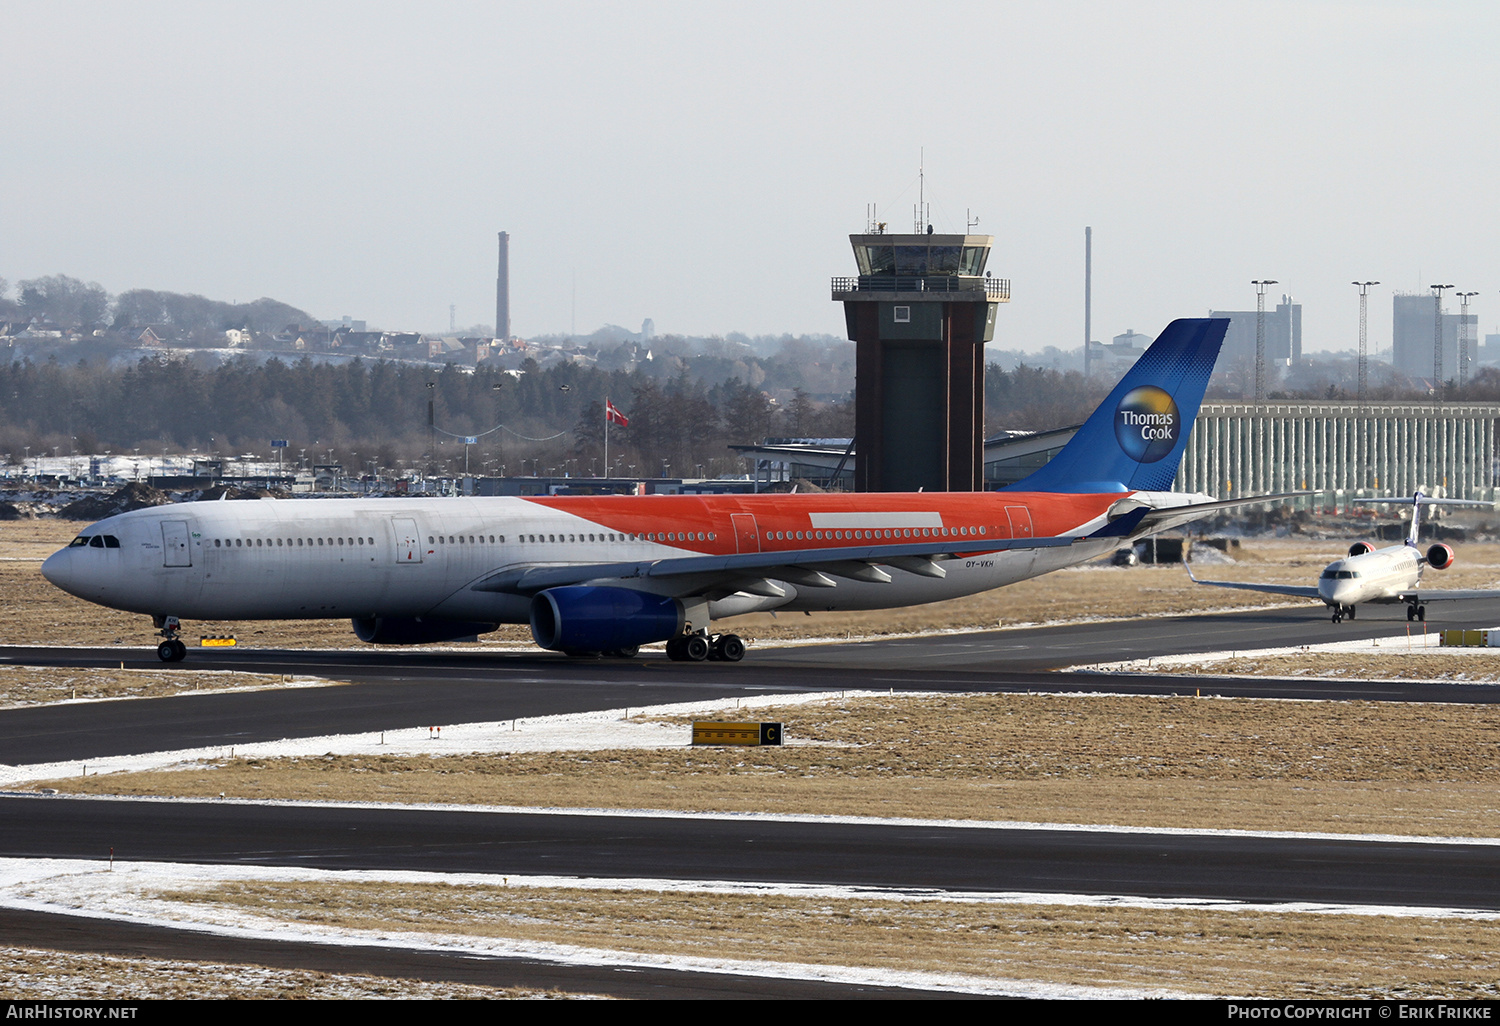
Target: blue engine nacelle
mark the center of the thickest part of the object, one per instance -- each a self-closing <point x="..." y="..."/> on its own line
<point x="593" y="619"/>
<point x="405" y="630"/>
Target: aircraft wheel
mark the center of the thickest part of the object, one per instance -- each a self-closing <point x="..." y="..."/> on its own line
<point x="1349" y="612"/>
<point x="730" y="648"/>
<point x="674" y="650"/>
<point x="628" y="652"/>
<point x="171" y="651"/>
<point x="1411" y="613"/>
<point x="1422" y="613"/>
<point x="1337" y="617"/>
<point x="695" y="648"/>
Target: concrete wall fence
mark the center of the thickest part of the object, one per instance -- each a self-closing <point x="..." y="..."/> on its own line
<point x="1352" y="450"/>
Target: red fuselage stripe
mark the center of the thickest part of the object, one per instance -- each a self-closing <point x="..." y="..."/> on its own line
<point x="779" y="518"/>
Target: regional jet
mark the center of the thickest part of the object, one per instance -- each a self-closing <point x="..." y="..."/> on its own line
<point x="1368" y="574"/>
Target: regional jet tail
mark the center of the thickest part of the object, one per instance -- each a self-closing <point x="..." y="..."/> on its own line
<point x="1388" y="575"/>
<point x="607" y="574"/>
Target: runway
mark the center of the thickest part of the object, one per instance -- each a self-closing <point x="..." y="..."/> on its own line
<point x="1149" y="864"/>
<point x="390" y="689"/>
<point x="399" y="689"/>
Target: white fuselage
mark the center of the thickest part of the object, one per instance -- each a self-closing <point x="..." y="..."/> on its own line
<point x="1379" y="576"/>
<point x="357" y="558"/>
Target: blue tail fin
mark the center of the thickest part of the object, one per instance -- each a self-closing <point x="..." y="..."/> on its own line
<point x="1134" y="440"/>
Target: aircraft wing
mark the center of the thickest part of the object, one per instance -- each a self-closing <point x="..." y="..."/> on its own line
<point x="756" y="571"/>
<point x="1420" y="595"/>
<point x="1296" y="590"/>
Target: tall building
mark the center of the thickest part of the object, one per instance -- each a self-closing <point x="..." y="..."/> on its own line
<point x="1412" y="325"/>
<point x="1283" y="334"/>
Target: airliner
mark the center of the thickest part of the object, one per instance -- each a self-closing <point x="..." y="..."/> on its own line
<point x="1368" y="574"/>
<point x="608" y="574"/>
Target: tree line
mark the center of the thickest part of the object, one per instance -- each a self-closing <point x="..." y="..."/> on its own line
<point x="376" y="413"/>
<point x="67" y="302"/>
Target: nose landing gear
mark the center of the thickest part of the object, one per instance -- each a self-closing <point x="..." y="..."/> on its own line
<point x="1416" y="612"/>
<point x="171" y="650"/>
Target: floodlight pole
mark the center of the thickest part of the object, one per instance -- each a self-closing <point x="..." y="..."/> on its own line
<point x="1437" y="341"/>
<point x="1364" y="372"/>
<point x="1260" y="338"/>
<point x="1463" y="335"/>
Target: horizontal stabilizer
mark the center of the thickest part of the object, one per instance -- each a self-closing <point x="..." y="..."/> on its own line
<point x="1165" y="518"/>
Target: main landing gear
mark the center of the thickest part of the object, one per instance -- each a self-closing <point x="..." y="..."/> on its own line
<point x="1416" y="612"/>
<point x="171" y="650"/>
<point x="1341" y="613"/>
<point x="694" y="648"/>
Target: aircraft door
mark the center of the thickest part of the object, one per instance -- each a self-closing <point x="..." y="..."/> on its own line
<point x="174" y="540"/>
<point x="408" y="542"/>
<point x="1020" y="521"/>
<point x="746" y="532"/>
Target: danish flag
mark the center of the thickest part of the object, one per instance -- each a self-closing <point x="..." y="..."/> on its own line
<point x="612" y="414"/>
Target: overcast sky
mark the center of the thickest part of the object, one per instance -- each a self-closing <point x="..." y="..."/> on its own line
<point x="703" y="163"/>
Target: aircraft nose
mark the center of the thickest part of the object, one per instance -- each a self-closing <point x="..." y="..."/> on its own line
<point x="59" y="568"/>
<point x="1339" y="592"/>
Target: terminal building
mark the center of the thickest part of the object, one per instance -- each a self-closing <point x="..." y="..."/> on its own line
<point x="1346" y="450"/>
<point x="1351" y="450"/>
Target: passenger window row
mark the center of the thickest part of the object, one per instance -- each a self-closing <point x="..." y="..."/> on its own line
<point x="256" y="543"/>
<point x="539" y="539"/>
<point x="912" y="532"/>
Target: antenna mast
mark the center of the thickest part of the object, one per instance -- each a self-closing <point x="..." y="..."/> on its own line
<point x="919" y="216"/>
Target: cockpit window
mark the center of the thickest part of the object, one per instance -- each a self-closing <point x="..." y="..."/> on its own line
<point x="96" y="542"/>
<point x="81" y="540"/>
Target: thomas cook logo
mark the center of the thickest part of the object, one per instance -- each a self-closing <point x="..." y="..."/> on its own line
<point x="1146" y="423"/>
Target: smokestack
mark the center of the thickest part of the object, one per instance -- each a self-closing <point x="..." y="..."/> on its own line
<point x="502" y="290"/>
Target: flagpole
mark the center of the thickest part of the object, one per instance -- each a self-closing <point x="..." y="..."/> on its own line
<point x="606" y="436"/>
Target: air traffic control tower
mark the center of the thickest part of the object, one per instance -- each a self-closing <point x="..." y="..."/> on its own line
<point x="920" y="312"/>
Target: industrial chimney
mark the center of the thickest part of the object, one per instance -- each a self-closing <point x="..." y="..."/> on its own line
<point x="502" y="290"/>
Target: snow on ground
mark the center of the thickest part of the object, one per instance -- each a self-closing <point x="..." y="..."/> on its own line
<point x="1416" y="640"/>
<point x="132" y="892"/>
<point x="572" y="732"/>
